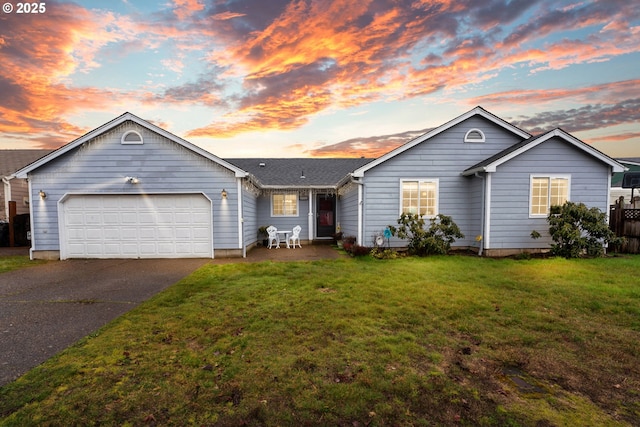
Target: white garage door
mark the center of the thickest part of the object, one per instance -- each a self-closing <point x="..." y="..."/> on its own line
<point x="137" y="226"/>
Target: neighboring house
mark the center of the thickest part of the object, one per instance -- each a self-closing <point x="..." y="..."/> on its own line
<point x="633" y="165"/>
<point x="130" y="189"/>
<point x="14" y="189"/>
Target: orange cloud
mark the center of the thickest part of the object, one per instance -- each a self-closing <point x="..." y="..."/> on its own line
<point x="305" y="58"/>
<point x="604" y="93"/>
<point x="185" y="8"/>
<point x="370" y="147"/>
<point x="616" y="138"/>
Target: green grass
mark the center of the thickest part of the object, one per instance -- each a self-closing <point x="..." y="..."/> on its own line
<point x="431" y="341"/>
<point x="9" y="263"/>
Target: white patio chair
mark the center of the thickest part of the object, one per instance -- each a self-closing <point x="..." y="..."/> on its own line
<point x="295" y="237"/>
<point x="273" y="236"/>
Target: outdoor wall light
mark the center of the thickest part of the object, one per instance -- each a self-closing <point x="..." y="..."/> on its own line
<point x="132" y="179"/>
<point x="224" y="193"/>
<point x="42" y="194"/>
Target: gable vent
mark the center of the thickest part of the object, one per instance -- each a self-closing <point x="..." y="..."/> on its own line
<point x="131" y="137"/>
<point x="474" y="135"/>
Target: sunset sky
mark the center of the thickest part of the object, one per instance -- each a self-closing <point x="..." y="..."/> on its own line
<point x="287" y="78"/>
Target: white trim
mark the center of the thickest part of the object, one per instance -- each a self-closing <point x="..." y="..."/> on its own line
<point x="240" y="220"/>
<point x="360" y="210"/>
<point x="470" y="131"/>
<point x="549" y="176"/>
<point x="31" y="223"/>
<point x="123" y="140"/>
<point x="310" y="215"/>
<point x="491" y="167"/>
<point x="23" y="173"/>
<point x="6" y="188"/>
<point x="358" y="173"/>
<point x="61" y="218"/>
<point x="486" y="233"/>
<point x="419" y="180"/>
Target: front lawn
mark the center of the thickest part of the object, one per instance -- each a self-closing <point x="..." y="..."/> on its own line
<point x="15" y="262"/>
<point x="452" y="340"/>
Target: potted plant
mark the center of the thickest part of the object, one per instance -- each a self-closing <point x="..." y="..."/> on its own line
<point x="263" y="235"/>
<point x="337" y="238"/>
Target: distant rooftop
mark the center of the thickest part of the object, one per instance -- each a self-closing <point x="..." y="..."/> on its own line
<point x="13" y="160"/>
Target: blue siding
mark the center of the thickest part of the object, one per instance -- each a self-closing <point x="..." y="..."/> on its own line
<point x="348" y="210"/>
<point x="444" y="157"/>
<point x="100" y="166"/>
<point x="510" y="223"/>
<point x="249" y="217"/>
<point x="284" y="222"/>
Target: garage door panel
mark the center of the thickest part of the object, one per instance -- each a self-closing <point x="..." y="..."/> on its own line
<point x="146" y="233"/>
<point x="111" y="218"/>
<point x="165" y="233"/>
<point x="91" y="218"/>
<point x="183" y="233"/>
<point x="94" y="249"/>
<point x="137" y="226"/>
<point x="93" y="234"/>
<point x="128" y="217"/>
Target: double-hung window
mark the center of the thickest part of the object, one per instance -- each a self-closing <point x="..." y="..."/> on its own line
<point x="419" y="196"/>
<point x="547" y="191"/>
<point x="284" y="204"/>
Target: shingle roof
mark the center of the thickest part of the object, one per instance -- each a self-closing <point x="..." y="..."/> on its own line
<point x="289" y="172"/>
<point x="13" y="160"/>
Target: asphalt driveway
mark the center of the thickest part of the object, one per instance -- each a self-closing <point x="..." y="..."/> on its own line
<point x="46" y="308"/>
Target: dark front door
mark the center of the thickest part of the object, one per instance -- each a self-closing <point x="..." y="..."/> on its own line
<point x="326" y="217"/>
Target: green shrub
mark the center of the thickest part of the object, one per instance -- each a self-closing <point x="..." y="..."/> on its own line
<point x="578" y="230"/>
<point x="423" y="241"/>
<point x="380" y="253"/>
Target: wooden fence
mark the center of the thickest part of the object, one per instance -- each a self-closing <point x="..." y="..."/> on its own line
<point x="624" y="220"/>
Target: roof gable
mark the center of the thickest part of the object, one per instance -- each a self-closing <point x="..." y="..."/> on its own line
<point x="476" y="111"/>
<point x="22" y="173"/>
<point x="490" y="164"/>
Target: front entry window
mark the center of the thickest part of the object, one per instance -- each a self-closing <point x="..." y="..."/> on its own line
<point x="284" y="205"/>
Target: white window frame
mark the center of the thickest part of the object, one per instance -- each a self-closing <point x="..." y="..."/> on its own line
<point x="123" y="140"/>
<point x="285" y="214"/>
<point x="435" y="181"/>
<point x="467" y="137"/>
<point x="548" y="177"/>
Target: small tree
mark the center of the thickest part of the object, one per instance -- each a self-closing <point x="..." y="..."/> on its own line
<point x="434" y="240"/>
<point x="577" y="229"/>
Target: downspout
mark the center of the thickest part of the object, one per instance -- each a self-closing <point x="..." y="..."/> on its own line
<point x="241" y="219"/>
<point x="482" y="214"/>
<point x="360" y="208"/>
<point x="486" y="236"/>
<point x="7" y="196"/>
<point x="31" y="219"/>
<point x="311" y="216"/>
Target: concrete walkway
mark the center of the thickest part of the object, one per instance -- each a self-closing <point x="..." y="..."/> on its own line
<point x="46" y="308"/>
